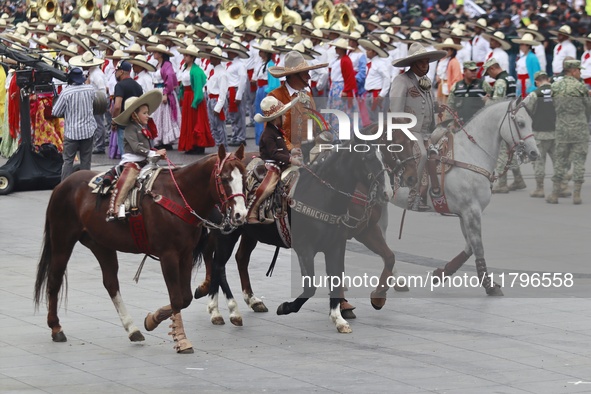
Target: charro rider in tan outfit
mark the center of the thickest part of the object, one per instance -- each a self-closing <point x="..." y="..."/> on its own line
<point x="411" y="93"/>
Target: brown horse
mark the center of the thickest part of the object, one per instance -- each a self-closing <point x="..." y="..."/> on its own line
<point x="75" y="214"/>
<point x="403" y="168"/>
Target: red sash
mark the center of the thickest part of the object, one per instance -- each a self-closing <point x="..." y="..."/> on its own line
<point x="587" y="81"/>
<point x="253" y="87"/>
<point x="222" y="115"/>
<point x="232" y="106"/>
<point x="522" y="78"/>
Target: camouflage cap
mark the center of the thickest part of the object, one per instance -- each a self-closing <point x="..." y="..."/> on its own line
<point x="489" y="63"/>
<point x="470" y="65"/>
<point x="539" y="74"/>
<point x="572" y="64"/>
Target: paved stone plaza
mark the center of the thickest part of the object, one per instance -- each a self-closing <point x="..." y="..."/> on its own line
<point x="452" y="340"/>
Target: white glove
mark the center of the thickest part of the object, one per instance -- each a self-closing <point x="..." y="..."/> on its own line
<point x="296" y="161"/>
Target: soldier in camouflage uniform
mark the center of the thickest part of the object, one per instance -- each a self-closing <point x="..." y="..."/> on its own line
<point x="573" y="107"/>
<point x="504" y="87"/>
<point x="467" y="96"/>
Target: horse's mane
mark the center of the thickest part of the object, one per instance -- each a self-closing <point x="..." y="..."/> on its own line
<point x="487" y="107"/>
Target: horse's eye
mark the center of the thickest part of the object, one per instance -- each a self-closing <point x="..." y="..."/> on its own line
<point x="521" y="123"/>
<point x="226" y="178"/>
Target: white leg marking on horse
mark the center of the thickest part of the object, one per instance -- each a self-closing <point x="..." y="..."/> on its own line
<point x="251" y="300"/>
<point x="236" y="185"/>
<point x="387" y="186"/>
<point x="337" y="319"/>
<point x="212" y="309"/>
<point x="126" y="319"/>
<point x="235" y="316"/>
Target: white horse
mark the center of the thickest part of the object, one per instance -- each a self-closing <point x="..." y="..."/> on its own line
<point x="468" y="190"/>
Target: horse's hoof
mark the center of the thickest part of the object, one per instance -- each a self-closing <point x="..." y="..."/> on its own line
<point x="59" y="337"/>
<point x="200" y="292"/>
<point x="236" y="320"/>
<point x="282" y="309"/>
<point x="401" y="288"/>
<point x="136" y="336"/>
<point x="344" y="329"/>
<point x="438" y="274"/>
<point x="348" y="314"/>
<point x="377" y="300"/>
<point x="218" y="321"/>
<point x="149" y="323"/>
<point x="259" y="307"/>
<point x="495" y="291"/>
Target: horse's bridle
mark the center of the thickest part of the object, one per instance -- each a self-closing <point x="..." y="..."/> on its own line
<point x="518" y="146"/>
<point x="217" y="173"/>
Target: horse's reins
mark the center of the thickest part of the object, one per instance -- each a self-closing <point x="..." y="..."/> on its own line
<point x="224" y="199"/>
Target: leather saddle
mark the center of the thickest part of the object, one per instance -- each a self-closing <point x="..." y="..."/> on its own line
<point x="276" y="204"/>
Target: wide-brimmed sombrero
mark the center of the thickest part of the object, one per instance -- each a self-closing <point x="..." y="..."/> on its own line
<point x="236" y="49"/>
<point x="418" y="52"/>
<point x="527" y="39"/>
<point x="294" y="63"/>
<point x="140" y="60"/>
<point x="342" y="43"/>
<point x="152" y="99"/>
<point x="85" y="60"/>
<point x="448" y="44"/>
<point x="272" y="108"/>
<point x="564" y="30"/>
<point x="374" y="45"/>
<point x="84" y="43"/>
<point x="265" y="46"/>
<point x="585" y="39"/>
<point x="161" y="48"/>
<point x="499" y="37"/>
<point x="215" y="53"/>
<point x="532" y="29"/>
<point x="190" y="50"/>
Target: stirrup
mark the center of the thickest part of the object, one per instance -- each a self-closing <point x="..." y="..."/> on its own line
<point x="433" y="194"/>
<point x="121" y="214"/>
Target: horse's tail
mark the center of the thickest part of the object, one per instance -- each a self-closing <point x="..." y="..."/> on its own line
<point x="44" y="265"/>
<point x="200" y="248"/>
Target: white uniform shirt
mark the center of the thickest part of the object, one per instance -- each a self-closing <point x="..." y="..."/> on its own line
<point x="586" y="63"/>
<point x="336" y="75"/>
<point x="521" y="65"/>
<point x="144" y="79"/>
<point x="320" y="75"/>
<point x="378" y="75"/>
<point x="237" y="76"/>
<point x="464" y="54"/>
<point x="562" y="50"/>
<point x="480" y="48"/>
<point x="109" y="70"/>
<point x="540" y="52"/>
<point x="218" y="84"/>
<point x="433" y="65"/>
<point x="501" y="57"/>
<point x="97" y="78"/>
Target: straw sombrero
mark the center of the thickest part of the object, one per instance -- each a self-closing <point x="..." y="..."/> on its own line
<point x="161" y="48"/>
<point x="583" y="40"/>
<point x="152" y="99"/>
<point x="118" y="55"/>
<point x="481" y="23"/>
<point x="564" y="29"/>
<point x="302" y="50"/>
<point x="135" y="49"/>
<point x="499" y="37"/>
<point x="449" y="44"/>
<point x="85" y="60"/>
<point x="140" y="60"/>
<point x="237" y="49"/>
<point x="418" y="52"/>
<point x="84" y="43"/>
<point x="272" y="108"/>
<point x="294" y="63"/>
<point x="216" y="53"/>
<point x="265" y="46"/>
<point x="342" y="43"/>
<point x="375" y="46"/>
<point x="527" y="39"/>
<point x="190" y="50"/>
<point x="532" y="29"/>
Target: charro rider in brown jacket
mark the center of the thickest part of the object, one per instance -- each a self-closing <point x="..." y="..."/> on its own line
<point x="273" y="149"/>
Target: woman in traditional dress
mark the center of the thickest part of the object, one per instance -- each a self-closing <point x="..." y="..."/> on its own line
<point x="168" y="116"/>
<point x="265" y="81"/>
<point x="195" y="130"/>
<point x="453" y="69"/>
<point x="527" y="65"/>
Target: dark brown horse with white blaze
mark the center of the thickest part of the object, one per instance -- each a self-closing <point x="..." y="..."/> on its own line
<point x="75" y="215"/>
<point x="403" y="169"/>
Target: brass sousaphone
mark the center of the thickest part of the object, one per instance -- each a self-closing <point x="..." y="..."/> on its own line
<point x="254" y="15"/>
<point x="273" y="12"/>
<point x="232" y="13"/>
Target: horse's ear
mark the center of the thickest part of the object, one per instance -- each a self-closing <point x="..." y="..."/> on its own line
<point x="240" y="152"/>
<point x="222" y="152"/>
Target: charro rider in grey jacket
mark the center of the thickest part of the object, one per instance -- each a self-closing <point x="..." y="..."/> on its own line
<point x="411" y="93"/>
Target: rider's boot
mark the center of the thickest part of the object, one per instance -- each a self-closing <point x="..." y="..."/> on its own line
<point x="539" y="192"/>
<point x="124" y="185"/>
<point x="518" y="182"/>
<point x="553" y="198"/>
<point x="501" y="186"/>
<point x="577" y="194"/>
<point x="265" y="189"/>
<point x="435" y="190"/>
